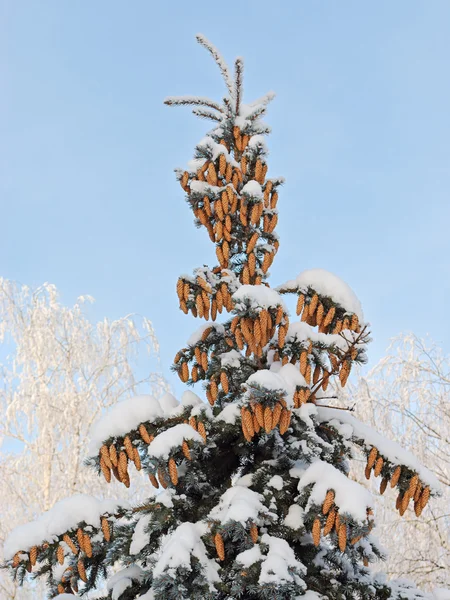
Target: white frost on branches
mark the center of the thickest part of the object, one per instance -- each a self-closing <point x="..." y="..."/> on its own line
<point x="406" y="397"/>
<point x="59" y="371"/>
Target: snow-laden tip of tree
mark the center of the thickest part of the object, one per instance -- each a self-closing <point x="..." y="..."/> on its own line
<point x="232" y="104"/>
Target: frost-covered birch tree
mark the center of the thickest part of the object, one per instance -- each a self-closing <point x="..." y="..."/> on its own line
<point x="58" y="372"/>
<point x="407" y="397"/>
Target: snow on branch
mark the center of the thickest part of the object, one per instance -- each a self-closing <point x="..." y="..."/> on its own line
<point x="350" y="497"/>
<point x="201" y="39"/>
<point x="258" y="297"/>
<point x="326" y="284"/>
<point x="125" y="416"/>
<point x="352" y="427"/>
<point x="178" y="548"/>
<point x="278" y="566"/>
<point x="62" y="517"/>
<point x="174" y="437"/>
<point x="239" y="504"/>
<point x="122" y="580"/>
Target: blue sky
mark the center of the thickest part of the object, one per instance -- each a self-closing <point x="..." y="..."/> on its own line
<point x="361" y="132"/>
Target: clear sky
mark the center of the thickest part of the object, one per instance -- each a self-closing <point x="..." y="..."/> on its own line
<point x="361" y="132"/>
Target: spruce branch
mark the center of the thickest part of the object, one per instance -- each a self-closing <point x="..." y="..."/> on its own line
<point x="239" y="72"/>
<point x="201" y="39"/>
<point x="192" y="101"/>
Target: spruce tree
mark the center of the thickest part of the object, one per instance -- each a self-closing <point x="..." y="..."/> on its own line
<point x="252" y="496"/>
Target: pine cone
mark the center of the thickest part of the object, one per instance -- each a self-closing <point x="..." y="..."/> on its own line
<point x="144" y="434"/>
<point x="413" y="485"/>
<point x="316" y="531"/>
<point x="329" y="524"/>
<point x="68" y="540"/>
<point x="396" y="476"/>
<point x="268" y="419"/>
<point x="308" y="373"/>
<point x="128" y="447"/>
<point x="214" y="390"/>
<point x="417" y="508"/>
<point x="285" y="420"/>
<point x="162" y="479"/>
<point x="33" y="555"/>
<point x="153" y="481"/>
<point x="123" y="465"/>
<point x="222" y="164"/>
<point x="342" y="537"/>
<point x="81" y="570"/>
<point x="345" y="372"/>
<point x="325" y="380"/>
<point x="424" y="497"/>
<point x="378" y="466"/>
<point x="330" y="316"/>
<point x="404" y="503"/>
<point x="383" y="485"/>
<point x="276" y="415"/>
<point x="319" y="314"/>
<point x="248" y="420"/>
<point x="316" y="374"/>
<point x="313" y="304"/>
<point x="252" y="243"/>
<point x="202" y="431"/>
<point x="136" y="459"/>
<point x="80" y="538"/>
<point x="105" y="470"/>
<point x="337" y="522"/>
<point x="338" y="327"/>
<point x="224" y="382"/>
<point x="184" y="372"/>
<point x="220" y="548"/>
<point x="87" y="545"/>
<point x="185" y="450"/>
<point x="173" y="471"/>
<point x="204" y="361"/>
<point x="193" y="423"/>
<point x="104" y="453"/>
<point x="372" y="457"/>
<point x="266" y="262"/>
<point x="259" y="414"/>
<point x="418" y="492"/>
<point x="106" y="528"/>
<point x="254" y="533"/>
<point x="256" y="425"/>
<point x="303" y="362"/>
<point x="251" y="264"/>
<point x="328" y="502"/>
